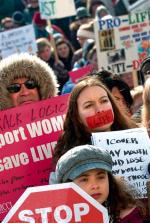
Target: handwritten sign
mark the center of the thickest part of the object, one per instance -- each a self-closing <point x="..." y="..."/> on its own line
<point x="17" y="40"/>
<point x="130" y="151"/>
<point x="51" y="9"/>
<point x="123" y="42"/>
<point x="28" y="135"/>
<point x="79" y="73"/>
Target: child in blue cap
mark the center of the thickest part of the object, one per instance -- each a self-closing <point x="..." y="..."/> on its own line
<point x="90" y="168"/>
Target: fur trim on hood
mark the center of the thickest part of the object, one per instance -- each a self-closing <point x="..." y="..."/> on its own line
<point x="29" y="66"/>
<point x="5" y="101"/>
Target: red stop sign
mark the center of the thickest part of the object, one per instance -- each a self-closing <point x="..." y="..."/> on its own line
<point x="60" y="203"/>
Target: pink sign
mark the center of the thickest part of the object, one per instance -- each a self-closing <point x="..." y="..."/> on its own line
<point x="28" y="135"/>
<point x="77" y="74"/>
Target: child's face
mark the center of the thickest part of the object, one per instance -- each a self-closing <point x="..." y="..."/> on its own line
<point x="95" y="183"/>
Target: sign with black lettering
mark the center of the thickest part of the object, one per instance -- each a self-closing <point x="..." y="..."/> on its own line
<point x="51" y="9"/>
<point x="28" y="135"/>
<point x="130" y="151"/>
<point x="17" y="41"/>
<point x="59" y="203"/>
<point x="123" y="42"/>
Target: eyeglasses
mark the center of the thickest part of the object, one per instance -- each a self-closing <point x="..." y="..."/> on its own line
<point x="14" y="88"/>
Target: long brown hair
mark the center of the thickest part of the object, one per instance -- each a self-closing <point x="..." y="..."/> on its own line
<point x="75" y="133"/>
<point x="121" y="196"/>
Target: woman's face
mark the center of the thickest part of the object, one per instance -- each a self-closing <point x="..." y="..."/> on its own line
<point x="81" y="40"/>
<point x="63" y="50"/>
<point x="121" y="101"/>
<point x="94" y="61"/>
<point x="45" y="54"/>
<point x="96" y="183"/>
<point x="95" y="109"/>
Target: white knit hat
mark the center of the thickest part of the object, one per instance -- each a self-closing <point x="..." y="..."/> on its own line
<point x="86" y="30"/>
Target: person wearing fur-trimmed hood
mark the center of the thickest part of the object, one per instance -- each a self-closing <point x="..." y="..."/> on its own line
<point x="25" y="78"/>
<point x="5" y="101"/>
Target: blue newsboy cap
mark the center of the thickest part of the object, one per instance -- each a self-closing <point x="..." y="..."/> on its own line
<point x="81" y="159"/>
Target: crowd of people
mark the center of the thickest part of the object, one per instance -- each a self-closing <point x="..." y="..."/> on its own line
<point x="26" y="78"/>
<point x="72" y="35"/>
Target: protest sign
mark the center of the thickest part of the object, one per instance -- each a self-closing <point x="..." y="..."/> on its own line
<point x="75" y="75"/>
<point x="130" y="151"/>
<point x="17" y="40"/>
<point x="52" y="9"/>
<point x="123" y="42"/>
<point x="66" y="203"/>
<point x="28" y="135"/>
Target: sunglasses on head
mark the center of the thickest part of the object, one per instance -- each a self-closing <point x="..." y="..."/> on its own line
<point x="14" y="88"/>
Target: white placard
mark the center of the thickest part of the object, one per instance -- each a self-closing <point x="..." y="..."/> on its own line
<point x="130" y="151"/>
<point x="54" y="9"/>
<point x="18" y="40"/>
<point x="123" y="42"/>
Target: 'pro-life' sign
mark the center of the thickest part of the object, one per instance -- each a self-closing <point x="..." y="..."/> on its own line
<point x="123" y="42"/>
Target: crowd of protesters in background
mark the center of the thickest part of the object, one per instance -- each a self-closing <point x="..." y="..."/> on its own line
<point x="71" y="34"/>
<point x="69" y="46"/>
